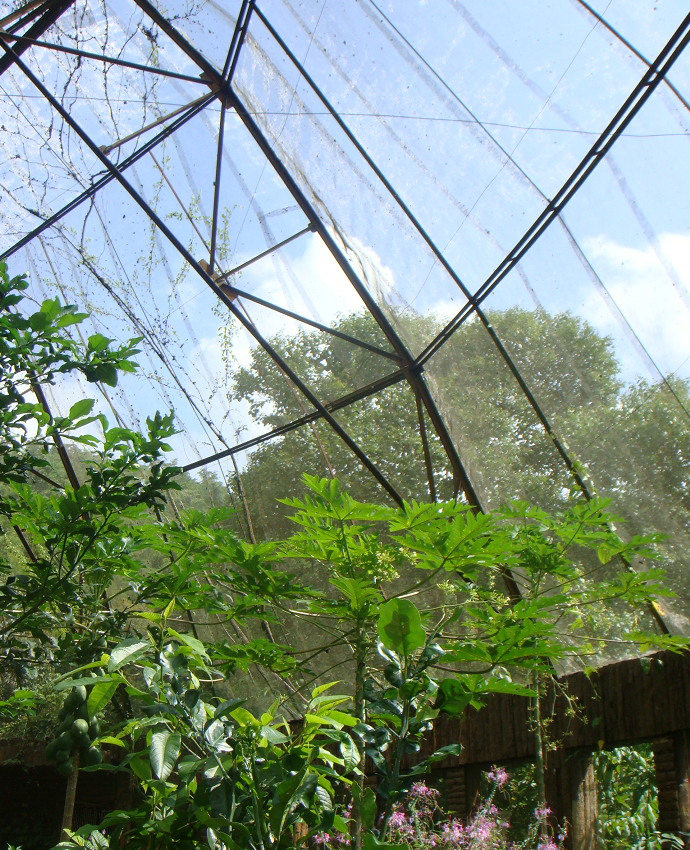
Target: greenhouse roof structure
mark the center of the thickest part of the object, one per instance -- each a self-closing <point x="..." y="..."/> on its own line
<point x="329" y="220"/>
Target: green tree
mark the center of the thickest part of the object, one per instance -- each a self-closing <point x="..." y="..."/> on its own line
<point x="631" y="438"/>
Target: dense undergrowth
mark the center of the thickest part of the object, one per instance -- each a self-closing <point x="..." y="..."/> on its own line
<point x="134" y="615"/>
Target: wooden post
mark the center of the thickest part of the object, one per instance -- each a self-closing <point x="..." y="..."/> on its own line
<point x="583" y="801"/>
<point x="456" y="792"/>
<point x="299" y="831"/>
<point x="473" y="779"/>
<point x="667" y="784"/>
<point x="571" y="793"/>
<point x="681" y="747"/>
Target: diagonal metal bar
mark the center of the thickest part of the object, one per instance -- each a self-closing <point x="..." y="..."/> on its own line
<point x="461" y="477"/>
<point x="425" y="447"/>
<point x="631" y="47"/>
<point x="641" y="93"/>
<point x="31" y="10"/>
<point x="308" y="229"/>
<point x="637" y="98"/>
<point x="162" y="226"/>
<point x="47" y="19"/>
<point x="245" y="26"/>
<point x="216" y="189"/>
<point x="107" y="178"/>
<point x="239" y="293"/>
<point x="233" y="292"/>
<point x="235" y="35"/>
<point x="362" y="151"/>
<point x="340" y="403"/>
<point x="161" y="21"/>
<point x="633" y="103"/>
<point x="119" y="142"/>
<point x="110" y="60"/>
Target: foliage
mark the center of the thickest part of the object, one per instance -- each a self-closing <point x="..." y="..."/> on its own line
<point x="477" y="633"/>
<point x="208" y="765"/>
<point x="74" y="536"/>
<point x="21" y="703"/>
<point x="35" y="349"/>
<point x="410" y="598"/>
<point x="627" y="798"/>
<point x="616" y="429"/>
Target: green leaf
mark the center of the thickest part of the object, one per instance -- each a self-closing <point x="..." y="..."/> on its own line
<point x="107" y="374"/>
<point x="81" y="408"/>
<point x="368" y="809"/>
<point x="321" y="688"/>
<point x="370" y="842"/>
<point x="194" y="644"/>
<point x="273" y="736"/>
<point x="163" y="752"/>
<point x="454" y="697"/>
<point x="244" y="717"/>
<point x="400" y="627"/>
<point x="349" y="752"/>
<point x="140" y="768"/>
<point x="100" y="696"/>
<point x="126" y="652"/>
<point x="98" y="342"/>
<point x="109" y="739"/>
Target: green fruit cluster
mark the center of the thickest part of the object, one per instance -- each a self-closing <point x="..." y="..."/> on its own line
<point x="76" y="731"/>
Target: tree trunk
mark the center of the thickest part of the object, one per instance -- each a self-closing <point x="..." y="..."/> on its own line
<point x="70" y="796"/>
<point x="539" y="755"/>
<point x="358" y="784"/>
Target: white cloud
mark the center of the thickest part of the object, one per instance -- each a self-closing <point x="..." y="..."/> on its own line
<point x="644" y="291"/>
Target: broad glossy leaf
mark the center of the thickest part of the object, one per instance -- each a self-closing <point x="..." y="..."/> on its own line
<point x="126" y="652"/>
<point x="81" y="408"/>
<point x="163" y="752"/>
<point x="368" y="809"/>
<point x="400" y="626"/>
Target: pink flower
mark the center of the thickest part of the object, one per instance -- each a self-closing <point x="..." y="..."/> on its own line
<point x="498" y="775"/>
<point x="422" y="797"/>
<point x="542" y="812"/>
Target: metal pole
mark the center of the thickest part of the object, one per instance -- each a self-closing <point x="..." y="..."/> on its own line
<point x="111" y="60"/>
<point x="309" y="395"/>
<point x="107" y="178"/>
<point x="281" y="430"/>
<point x="47" y="19"/>
<point x="216" y="190"/>
<point x="425" y="447"/>
<point x="459" y="473"/>
<point x="240" y="42"/>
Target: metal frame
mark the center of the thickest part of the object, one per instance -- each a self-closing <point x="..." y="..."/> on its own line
<point x="221" y="88"/>
<point x="281" y="430"/>
<point x="110" y="60"/>
<point x="651" y="79"/>
<point x="165" y="230"/>
<point x="53" y="10"/>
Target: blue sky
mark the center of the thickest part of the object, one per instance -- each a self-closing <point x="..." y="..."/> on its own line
<point x="437" y="104"/>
